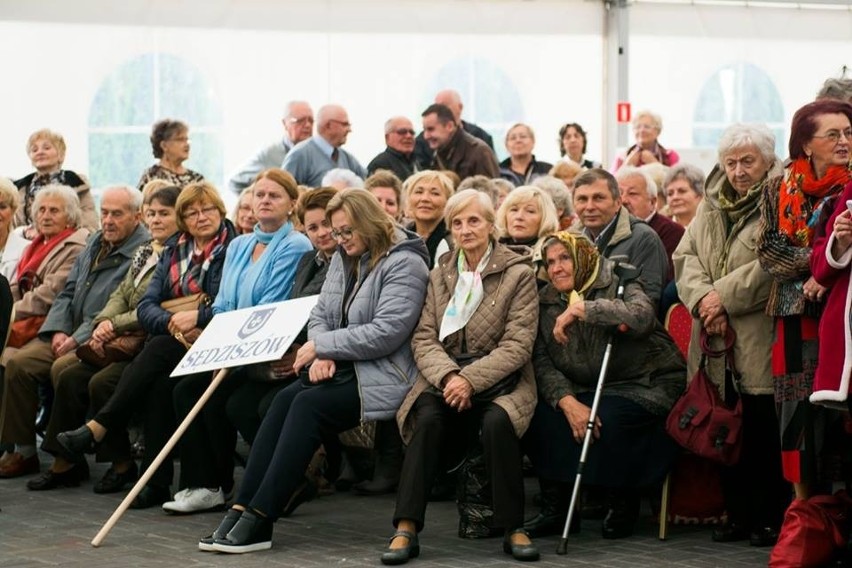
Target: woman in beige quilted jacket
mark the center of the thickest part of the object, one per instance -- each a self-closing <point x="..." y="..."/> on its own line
<point x="472" y="347"/>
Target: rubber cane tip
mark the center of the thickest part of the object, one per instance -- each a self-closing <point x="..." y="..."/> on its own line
<point x="563" y="546"/>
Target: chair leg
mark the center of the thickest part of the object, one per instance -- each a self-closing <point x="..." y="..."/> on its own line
<point x="664" y="508"/>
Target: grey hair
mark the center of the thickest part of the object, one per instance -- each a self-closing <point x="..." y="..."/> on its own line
<point x="288" y="108"/>
<point x="739" y="135"/>
<point x="689" y="173"/>
<point x="9" y="193"/>
<point x="629" y="171"/>
<point x="503" y="184"/>
<point x="484" y="184"/>
<point x="656" y="119"/>
<point x="389" y="123"/>
<point x="133" y="194"/>
<point x="67" y="195"/>
<point x="348" y="177"/>
<point x="840" y="89"/>
<point x="558" y="192"/>
<point x="459" y="201"/>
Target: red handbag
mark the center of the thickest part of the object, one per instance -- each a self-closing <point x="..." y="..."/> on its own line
<point x="814" y="530"/>
<point x="700" y="421"/>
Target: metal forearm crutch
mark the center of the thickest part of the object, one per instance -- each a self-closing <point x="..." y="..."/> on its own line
<point x="625" y="273"/>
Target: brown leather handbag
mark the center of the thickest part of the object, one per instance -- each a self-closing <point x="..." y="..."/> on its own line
<point x="122" y="348"/>
<point x="186" y="304"/>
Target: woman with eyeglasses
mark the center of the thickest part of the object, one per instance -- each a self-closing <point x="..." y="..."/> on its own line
<point x="170" y="145"/>
<point x="189" y="273"/>
<point x="45" y="263"/>
<point x="356" y="365"/>
<point x="794" y="209"/>
<point x="521" y="167"/>
<point x="647" y="149"/>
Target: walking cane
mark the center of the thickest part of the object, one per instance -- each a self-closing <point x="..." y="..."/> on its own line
<point x="220" y="376"/>
<point x="625" y="273"/>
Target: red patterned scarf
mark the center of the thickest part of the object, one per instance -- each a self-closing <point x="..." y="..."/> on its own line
<point x="797" y="214"/>
<point x="187" y="269"/>
<point x="37" y="251"/>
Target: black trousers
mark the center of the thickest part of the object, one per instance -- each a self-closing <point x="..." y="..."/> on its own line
<point x="79" y="389"/>
<point x="206" y="449"/>
<point x="146" y="385"/>
<point x="436" y="426"/>
<point x="248" y="405"/>
<point x="299" y="417"/>
<point x="756" y="494"/>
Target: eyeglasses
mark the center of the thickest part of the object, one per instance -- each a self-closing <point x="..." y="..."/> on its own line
<point x="342" y="123"/>
<point x="404" y="131"/>
<point x="303" y="120"/>
<point x="194" y="214"/>
<point x="344" y="233"/>
<point x="834" y="135"/>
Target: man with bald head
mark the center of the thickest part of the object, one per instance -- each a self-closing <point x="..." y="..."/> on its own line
<point x="452" y="100"/>
<point x="398" y="157"/>
<point x="298" y="125"/>
<point x="311" y="159"/>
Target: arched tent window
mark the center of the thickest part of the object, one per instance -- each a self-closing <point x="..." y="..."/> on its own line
<point x="740" y="92"/>
<point x="490" y="97"/>
<point x="138" y="93"/>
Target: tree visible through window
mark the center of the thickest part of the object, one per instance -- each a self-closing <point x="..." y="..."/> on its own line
<point x="137" y="94"/>
<point x="740" y="92"/>
<point x="490" y="97"/>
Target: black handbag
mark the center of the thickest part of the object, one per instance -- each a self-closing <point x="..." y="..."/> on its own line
<point x="502" y="387"/>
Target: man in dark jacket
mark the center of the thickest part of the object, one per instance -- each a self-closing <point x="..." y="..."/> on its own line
<point x="398" y="157"/>
<point x="452" y="100"/>
<point x="95" y="274"/>
<point x="454" y="149"/>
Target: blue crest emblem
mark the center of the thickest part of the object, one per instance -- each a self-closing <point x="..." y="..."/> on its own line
<point x="257" y="320"/>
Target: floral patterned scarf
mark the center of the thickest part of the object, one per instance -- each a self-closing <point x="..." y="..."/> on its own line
<point x="797" y="214"/>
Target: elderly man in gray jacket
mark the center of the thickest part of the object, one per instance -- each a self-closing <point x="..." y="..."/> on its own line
<point x="94" y="275"/>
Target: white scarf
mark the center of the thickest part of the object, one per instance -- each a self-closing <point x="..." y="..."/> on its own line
<point x="466" y="297"/>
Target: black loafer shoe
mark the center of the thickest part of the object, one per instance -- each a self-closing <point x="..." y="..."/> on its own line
<point x="396" y="556"/>
<point x="764" y="536"/>
<point x="250" y="534"/>
<point x="68" y="478"/>
<point x="620" y="520"/>
<point x="524" y="552"/>
<point x="231" y="518"/>
<point x="730" y="532"/>
<point x="113" y="482"/>
<point x="76" y="443"/>
<point x="151" y="496"/>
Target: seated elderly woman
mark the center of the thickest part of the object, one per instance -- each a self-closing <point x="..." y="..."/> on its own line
<point x="472" y="347"/>
<point x="566" y="170"/>
<point x="720" y="280"/>
<point x="173" y="311"/>
<point x="44" y="265"/>
<point x="684" y="190"/>
<point x="341" y="178"/>
<point x="526" y="216"/>
<point x="170" y="145"/>
<point x="387" y="188"/>
<point x="242" y="215"/>
<point x="647" y="149"/>
<point x="85" y="386"/>
<point x="46" y="150"/>
<point x="426" y="195"/>
<point x="12" y="240"/>
<point x="646" y="374"/>
<point x="259" y="269"/>
<point x="561" y="195"/>
<point x="357" y="363"/>
<point x="521" y="167"/>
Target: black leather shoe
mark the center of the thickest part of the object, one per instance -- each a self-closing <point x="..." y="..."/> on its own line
<point x="250" y="534"/>
<point x="151" y="496"/>
<point x="231" y="518"/>
<point x="395" y="556"/>
<point x="620" y="520"/>
<point x="523" y="552"/>
<point x="113" y="482"/>
<point x="304" y="493"/>
<point x="76" y="443"/>
<point x="764" y="536"/>
<point x="730" y="532"/>
<point x="68" y="478"/>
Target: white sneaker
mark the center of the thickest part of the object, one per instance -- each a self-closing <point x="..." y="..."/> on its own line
<point x="195" y="500"/>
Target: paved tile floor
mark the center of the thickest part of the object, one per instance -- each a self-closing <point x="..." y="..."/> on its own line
<point x="55" y="528"/>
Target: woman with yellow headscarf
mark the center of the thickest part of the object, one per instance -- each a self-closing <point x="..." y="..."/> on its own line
<point x="646" y="374"/>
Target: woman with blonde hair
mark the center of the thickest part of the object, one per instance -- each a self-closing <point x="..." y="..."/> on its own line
<point x="426" y="195"/>
<point x="12" y="241"/>
<point x="526" y="216"/>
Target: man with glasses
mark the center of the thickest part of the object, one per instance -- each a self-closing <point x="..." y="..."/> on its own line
<point x="298" y="124"/>
<point x="398" y="157"/>
<point x="311" y="159"/>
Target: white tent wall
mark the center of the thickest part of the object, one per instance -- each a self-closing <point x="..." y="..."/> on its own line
<point x="381" y="57"/>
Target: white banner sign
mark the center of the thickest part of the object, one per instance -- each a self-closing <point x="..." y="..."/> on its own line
<point x="252" y="335"/>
